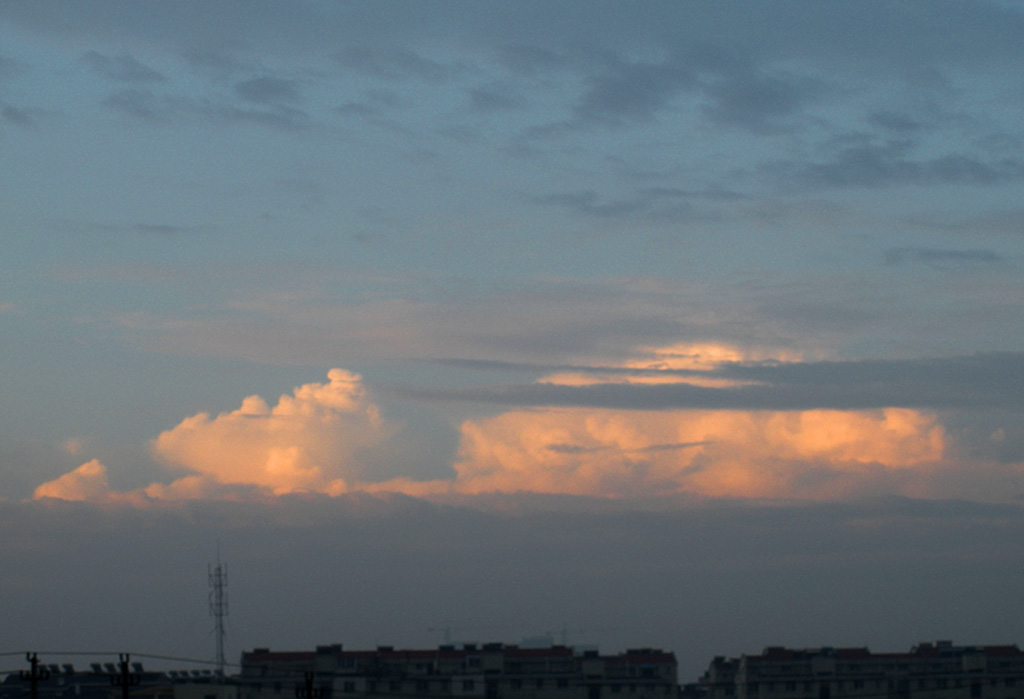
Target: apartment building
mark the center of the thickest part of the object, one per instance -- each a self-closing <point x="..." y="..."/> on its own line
<point x="928" y="671"/>
<point x="469" y="671"/>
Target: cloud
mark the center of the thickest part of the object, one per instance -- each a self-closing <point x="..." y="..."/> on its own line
<point x="805" y="454"/>
<point x="997" y="222"/>
<point x="308" y="442"/>
<point x="493" y="97"/>
<point x="831" y="447"/>
<point x="610" y="452"/>
<point x="144" y="104"/>
<point x="19" y="116"/>
<point x="876" y="165"/>
<point x="392" y="64"/>
<point x="72" y="445"/>
<point x="87" y="482"/>
<point x="268" y="90"/>
<point x="943" y="259"/>
<point x="632" y="90"/>
<point x="157" y="229"/>
<point x="968" y="382"/>
<point x="763" y="572"/>
<point x="123" y="68"/>
<point x="320" y="438"/>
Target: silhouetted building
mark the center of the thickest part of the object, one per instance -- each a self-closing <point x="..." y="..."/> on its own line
<point x="489" y="671"/>
<point x="928" y="671"/>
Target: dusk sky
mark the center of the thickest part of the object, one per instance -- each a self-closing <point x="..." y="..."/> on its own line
<point x="686" y="324"/>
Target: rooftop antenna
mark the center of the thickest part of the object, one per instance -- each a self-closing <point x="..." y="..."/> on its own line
<point x="218" y="577"/>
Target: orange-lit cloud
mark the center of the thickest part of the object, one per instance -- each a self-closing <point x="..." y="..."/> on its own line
<point x="692" y="357"/>
<point x="311" y="441"/>
<point x="819" y="453"/>
<point x="87" y="482"/>
<point x="308" y="442"/>
<point x="602" y="452"/>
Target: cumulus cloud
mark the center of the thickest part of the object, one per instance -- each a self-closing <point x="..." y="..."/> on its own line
<point x="87" y="482"/>
<point x="596" y="451"/>
<point x="313" y="441"/>
<point x="309" y="441"/>
<point x="817" y="453"/>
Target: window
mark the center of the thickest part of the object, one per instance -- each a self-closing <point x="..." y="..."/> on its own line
<point x="540" y="684"/>
<point x="468" y="685"/>
<point x="562" y="683"/>
<point x="791" y="686"/>
<point x="394" y="686"/>
<point x="348" y="687"/>
<point x="422" y="686"/>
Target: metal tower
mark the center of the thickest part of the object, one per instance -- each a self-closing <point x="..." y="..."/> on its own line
<point x="219" y="607"/>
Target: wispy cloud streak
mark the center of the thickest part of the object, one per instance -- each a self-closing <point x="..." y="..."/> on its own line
<point x="982" y="381"/>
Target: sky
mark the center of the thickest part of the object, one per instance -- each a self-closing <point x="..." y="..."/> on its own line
<point x="692" y="325"/>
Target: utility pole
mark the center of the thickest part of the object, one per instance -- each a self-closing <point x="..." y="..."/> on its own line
<point x="126" y="679"/>
<point x="218" y="577"/>
<point x="308" y="691"/>
<point x="35" y="675"/>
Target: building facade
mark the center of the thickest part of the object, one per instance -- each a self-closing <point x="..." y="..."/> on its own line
<point x="488" y="671"/>
<point x="929" y="671"/>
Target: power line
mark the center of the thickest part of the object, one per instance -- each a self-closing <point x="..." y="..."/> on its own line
<point x="102" y="653"/>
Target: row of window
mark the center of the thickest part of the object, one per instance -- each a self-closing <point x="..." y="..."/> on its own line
<point x="940" y="683"/>
<point x="424" y="686"/>
<point x="870" y="668"/>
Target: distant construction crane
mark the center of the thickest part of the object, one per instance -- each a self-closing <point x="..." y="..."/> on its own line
<point x="218" y="577"/>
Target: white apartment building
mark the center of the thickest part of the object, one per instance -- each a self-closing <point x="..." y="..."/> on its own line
<point x="488" y="671"/>
<point x="929" y="671"/>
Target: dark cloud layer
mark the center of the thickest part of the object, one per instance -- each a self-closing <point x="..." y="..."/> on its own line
<point x="308" y="570"/>
<point x="982" y="381"/>
<point x="934" y="257"/>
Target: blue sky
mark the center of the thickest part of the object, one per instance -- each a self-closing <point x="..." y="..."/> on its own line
<point x="204" y="203"/>
<point x="616" y="251"/>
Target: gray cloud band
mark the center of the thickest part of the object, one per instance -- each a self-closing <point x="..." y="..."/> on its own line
<point x="982" y="381"/>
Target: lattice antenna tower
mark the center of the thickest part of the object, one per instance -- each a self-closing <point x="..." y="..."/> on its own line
<point x="219" y="606"/>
